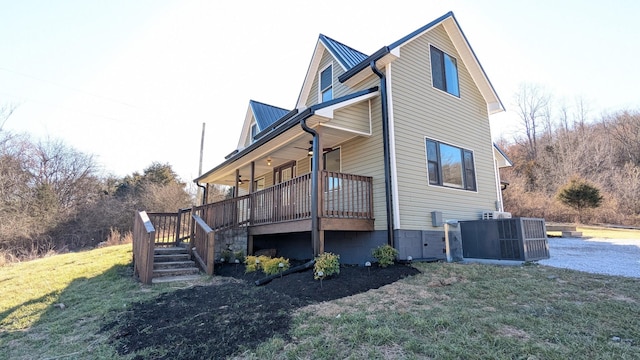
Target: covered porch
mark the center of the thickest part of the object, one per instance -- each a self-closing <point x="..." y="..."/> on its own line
<point x="345" y="203"/>
<point x="287" y="173"/>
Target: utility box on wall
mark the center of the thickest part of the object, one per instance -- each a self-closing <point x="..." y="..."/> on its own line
<point x="505" y="239"/>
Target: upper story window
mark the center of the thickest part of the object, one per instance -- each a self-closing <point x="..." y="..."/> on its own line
<point x="450" y="166"/>
<point x="444" y="72"/>
<point x="326" y="84"/>
<point x="254" y="132"/>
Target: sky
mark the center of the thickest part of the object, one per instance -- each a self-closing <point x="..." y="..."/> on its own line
<point x="132" y="82"/>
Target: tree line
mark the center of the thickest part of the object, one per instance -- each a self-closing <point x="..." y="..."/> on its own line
<point x="55" y="198"/>
<point x="560" y="147"/>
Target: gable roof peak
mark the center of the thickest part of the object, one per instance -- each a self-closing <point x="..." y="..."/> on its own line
<point x="265" y="114"/>
<point x="346" y="55"/>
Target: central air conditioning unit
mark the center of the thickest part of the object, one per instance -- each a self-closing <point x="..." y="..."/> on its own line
<point x="489" y="215"/>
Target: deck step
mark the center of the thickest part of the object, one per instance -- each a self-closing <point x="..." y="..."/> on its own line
<point x="175" y="272"/>
<point x="571" y="234"/>
<point x="170" y="258"/>
<point x="173" y="264"/>
<point x="166" y="279"/>
<point x="170" y="250"/>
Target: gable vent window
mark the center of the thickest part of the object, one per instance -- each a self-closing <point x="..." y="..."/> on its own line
<point x="326" y="84"/>
<point x="450" y="166"/>
<point x="444" y="72"/>
<point x="254" y="132"/>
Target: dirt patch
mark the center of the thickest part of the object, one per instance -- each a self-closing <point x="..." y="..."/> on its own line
<point x="233" y="315"/>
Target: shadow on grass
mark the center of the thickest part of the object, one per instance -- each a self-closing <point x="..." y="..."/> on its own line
<point x="40" y="325"/>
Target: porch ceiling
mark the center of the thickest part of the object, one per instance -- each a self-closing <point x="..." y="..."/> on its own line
<point x="291" y="145"/>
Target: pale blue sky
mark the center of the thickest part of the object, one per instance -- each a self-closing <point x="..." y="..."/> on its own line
<point x="132" y="81"/>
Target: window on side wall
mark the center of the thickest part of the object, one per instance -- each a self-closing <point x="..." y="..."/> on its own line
<point x="254" y="132"/>
<point x="450" y="166"/>
<point x="326" y="84"/>
<point x="444" y="72"/>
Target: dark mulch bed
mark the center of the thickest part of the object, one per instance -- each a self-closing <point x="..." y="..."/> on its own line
<point x="217" y="321"/>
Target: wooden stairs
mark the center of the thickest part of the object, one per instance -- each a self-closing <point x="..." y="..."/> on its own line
<point x="173" y="264"/>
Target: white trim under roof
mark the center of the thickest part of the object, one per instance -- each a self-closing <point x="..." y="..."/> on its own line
<point x="468" y="58"/>
<point x="311" y="73"/>
<point x="329" y="110"/>
<point x="246" y="128"/>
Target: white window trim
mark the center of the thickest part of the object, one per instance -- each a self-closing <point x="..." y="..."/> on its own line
<point x="320" y="82"/>
<point x="475" y="168"/>
<point x="251" y="139"/>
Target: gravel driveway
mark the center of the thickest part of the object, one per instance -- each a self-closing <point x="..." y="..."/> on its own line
<point x="601" y="256"/>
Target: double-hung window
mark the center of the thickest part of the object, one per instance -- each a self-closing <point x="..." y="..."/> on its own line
<point x="326" y="84"/>
<point x="450" y="166"/>
<point x="444" y="72"/>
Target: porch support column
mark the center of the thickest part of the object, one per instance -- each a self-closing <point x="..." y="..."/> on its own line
<point x="315" y="235"/>
<point x="236" y="191"/>
<point x="251" y="208"/>
<point x="318" y="154"/>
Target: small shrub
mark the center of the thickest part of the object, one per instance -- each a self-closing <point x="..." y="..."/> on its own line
<point x="227" y="255"/>
<point x="272" y="266"/>
<point x="327" y="263"/>
<point x="385" y="254"/>
<point x="239" y="255"/>
<point x="254" y="263"/>
<point x="115" y="237"/>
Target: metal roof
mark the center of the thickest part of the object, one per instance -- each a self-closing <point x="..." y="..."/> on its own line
<point x="348" y="56"/>
<point x="266" y="114"/>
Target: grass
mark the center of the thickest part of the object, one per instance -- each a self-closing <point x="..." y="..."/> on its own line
<point x="602" y="232"/>
<point x="476" y="311"/>
<point x="608" y="233"/>
<point x="55" y="306"/>
<point x="450" y="311"/>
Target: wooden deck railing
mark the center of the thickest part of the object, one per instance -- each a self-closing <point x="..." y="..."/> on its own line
<point x="342" y="196"/>
<point x="203" y="239"/>
<point x="171" y="228"/>
<point x="143" y="246"/>
<point x="346" y="196"/>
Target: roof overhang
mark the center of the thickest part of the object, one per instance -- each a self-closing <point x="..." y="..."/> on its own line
<point x="287" y="141"/>
<point x="501" y="158"/>
<point x="459" y="40"/>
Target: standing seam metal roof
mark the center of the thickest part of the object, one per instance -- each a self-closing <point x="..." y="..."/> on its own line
<point x="348" y="56"/>
<point x="266" y="114"/>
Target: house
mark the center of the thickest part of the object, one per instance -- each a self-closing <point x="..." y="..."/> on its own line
<point x="380" y="148"/>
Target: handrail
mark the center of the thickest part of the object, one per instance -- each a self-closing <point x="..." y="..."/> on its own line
<point x="143" y="247"/>
<point x="203" y="239"/>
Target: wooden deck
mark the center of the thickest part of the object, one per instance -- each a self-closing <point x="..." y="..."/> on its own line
<point x="346" y="203"/>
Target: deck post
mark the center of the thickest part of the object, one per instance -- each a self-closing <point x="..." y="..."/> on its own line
<point x="210" y="252"/>
<point x="250" y="245"/>
<point x="321" y="242"/>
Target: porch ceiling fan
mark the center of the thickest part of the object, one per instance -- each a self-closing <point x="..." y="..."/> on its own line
<point x="310" y="148"/>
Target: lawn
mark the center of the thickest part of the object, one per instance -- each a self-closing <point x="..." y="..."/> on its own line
<point x="450" y="311"/>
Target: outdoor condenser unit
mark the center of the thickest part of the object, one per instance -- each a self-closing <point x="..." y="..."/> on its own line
<point x="522" y="239"/>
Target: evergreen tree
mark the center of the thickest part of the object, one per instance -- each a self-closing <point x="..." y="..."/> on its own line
<point x="580" y="195"/>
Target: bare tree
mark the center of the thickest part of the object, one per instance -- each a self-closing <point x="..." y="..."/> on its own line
<point x="533" y="103"/>
<point x="6" y="111"/>
<point x="624" y="129"/>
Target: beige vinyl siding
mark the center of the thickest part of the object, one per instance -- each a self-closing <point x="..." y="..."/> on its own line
<point x="339" y="89"/>
<point x="354" y="118"/>
<point x="364" y="156"/>
<point x="303" y="166"/>
<point x="420" y="111"/>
